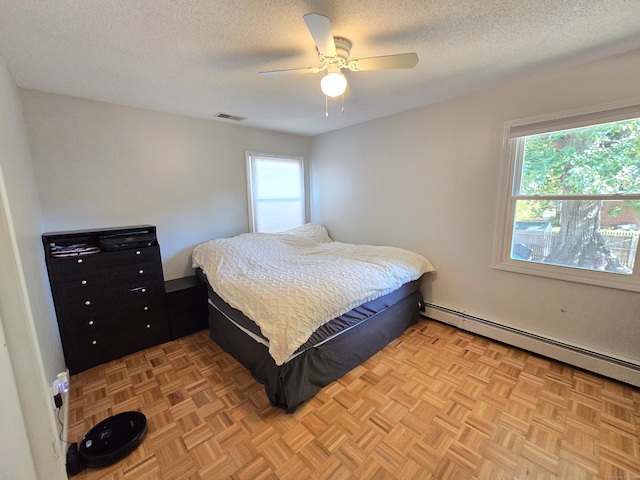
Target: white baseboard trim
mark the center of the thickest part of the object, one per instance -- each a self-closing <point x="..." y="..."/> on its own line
<point x="621" y="369"/>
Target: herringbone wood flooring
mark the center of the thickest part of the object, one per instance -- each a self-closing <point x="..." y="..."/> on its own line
<point x="437" y="403"/>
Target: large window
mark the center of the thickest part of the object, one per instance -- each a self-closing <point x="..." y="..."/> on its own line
<point x="275" y="185"/>
<point x="571" y="206"/>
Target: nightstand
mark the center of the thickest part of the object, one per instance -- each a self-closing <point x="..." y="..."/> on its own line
<point x="187" y="301"/>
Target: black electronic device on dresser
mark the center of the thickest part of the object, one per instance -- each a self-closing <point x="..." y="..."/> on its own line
<point x="108" y="291"/>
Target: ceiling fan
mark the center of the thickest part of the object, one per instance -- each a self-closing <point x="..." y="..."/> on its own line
<point x="333" y="53"/>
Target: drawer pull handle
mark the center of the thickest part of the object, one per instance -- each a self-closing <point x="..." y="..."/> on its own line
<point x="146" y="308"/>
<point x="137" y="252"/>
<point x="140" y="271"/>
<point x="94" y="342"/>
<point x="84" y="282"/>
<point x="79" y="260"/>
<point x="90" y="322"/>
<point x="88" y="302"/>
<point x="144" y="290"/>
<point x="148" y="326"/>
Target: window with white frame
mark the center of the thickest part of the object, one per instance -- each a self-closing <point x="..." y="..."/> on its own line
<point x="570" y="208"/>
<point x="275" y="186"/>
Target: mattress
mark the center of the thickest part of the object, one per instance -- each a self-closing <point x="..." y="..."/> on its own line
<point x="325" y="332"/>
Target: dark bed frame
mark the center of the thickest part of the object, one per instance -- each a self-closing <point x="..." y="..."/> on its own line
<point x="300" y="378"/>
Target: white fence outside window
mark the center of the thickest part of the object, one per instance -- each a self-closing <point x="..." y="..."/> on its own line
<point x="621" y="242"/>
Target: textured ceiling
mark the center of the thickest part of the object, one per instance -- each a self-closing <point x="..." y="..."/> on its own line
<point x="200" y="57"/>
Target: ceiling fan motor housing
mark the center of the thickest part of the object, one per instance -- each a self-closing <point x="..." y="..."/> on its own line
<point x="343" y="47"/>
<point x="343" y="50"/>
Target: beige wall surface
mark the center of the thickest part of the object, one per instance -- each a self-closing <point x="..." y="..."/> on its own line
<point x="428" y="180"/>
<point x="32" y="355"/>
<point x="103" y="165"/>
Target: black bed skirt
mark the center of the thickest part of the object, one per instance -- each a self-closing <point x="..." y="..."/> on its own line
<point x="300" y="378"/>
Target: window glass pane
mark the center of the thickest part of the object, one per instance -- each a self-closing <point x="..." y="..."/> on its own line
<point x="278" y="215"/>
<point x="590" y="234"/>
<point x="277" y="193"/>
<point x="597" y="160"/>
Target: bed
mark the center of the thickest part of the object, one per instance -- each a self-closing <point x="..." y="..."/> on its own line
<point x="299" y="310"/>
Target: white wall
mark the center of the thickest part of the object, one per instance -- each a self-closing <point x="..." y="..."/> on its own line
<point x="428" y="180"/>
<point x="15" y="453"/>
<point x="103" y="165"/>
<point x="31" y="352"/>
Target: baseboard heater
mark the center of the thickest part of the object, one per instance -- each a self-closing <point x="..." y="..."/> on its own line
<point x="614" y="367"/>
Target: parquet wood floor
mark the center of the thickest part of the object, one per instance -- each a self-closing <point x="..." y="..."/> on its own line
<point x="437" y="403"/>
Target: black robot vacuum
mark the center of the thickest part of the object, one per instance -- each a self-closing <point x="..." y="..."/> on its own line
<point x="109" y="441"/>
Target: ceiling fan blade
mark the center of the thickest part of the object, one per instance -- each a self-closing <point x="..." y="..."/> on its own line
<point x="402" y="60"/>
<point x="320" y="29"/>
<point x="293" y="71"/>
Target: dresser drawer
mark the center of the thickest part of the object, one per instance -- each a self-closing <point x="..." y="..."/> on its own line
<point x="79" y="299"/>
<point x="80" y="282"/>
<point x="86" y="351"/>
<point x="115" y="316"/>
<point x="117" y="322"/>
<point x="101" y="264"/>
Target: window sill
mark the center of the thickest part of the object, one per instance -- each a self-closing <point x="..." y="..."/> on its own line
<point x="578" y="275"/>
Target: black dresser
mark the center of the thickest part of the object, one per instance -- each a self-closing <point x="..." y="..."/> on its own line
<point x="108" y="291"/>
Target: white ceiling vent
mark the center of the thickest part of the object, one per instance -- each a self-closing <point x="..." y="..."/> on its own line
<point x="227" y="116"/>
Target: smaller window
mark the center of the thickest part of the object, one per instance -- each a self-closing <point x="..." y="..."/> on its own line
<point x="571" y="207"/>
<point x="275" y="186"/>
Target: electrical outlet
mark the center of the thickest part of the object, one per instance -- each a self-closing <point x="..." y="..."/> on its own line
<point x="60" y="384"/>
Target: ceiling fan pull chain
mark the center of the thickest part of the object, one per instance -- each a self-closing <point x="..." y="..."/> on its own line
<point x="342" y="103"/>
<point x="326" y="106"/>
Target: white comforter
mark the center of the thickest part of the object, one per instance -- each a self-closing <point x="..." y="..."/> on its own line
<point x="293" y="282"/>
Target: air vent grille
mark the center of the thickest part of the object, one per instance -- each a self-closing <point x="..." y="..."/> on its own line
<point x="227" y="116"/>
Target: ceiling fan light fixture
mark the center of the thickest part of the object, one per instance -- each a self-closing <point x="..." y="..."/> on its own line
<point x="333" y="84"/>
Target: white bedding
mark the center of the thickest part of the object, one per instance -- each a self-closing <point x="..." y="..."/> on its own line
<point x="293" y="282"/>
